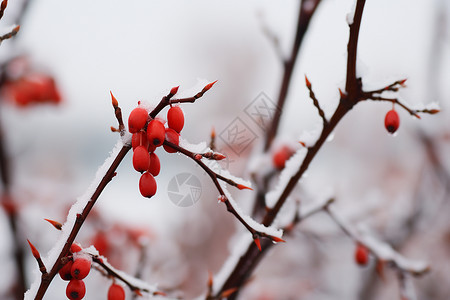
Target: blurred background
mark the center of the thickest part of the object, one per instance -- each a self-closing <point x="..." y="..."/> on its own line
<point x="395" y="186"/>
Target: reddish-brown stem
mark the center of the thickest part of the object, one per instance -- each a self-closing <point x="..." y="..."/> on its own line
<point x="248" y="262"/>
<point x="306" y="11"/>
<point x="47" y="278"/>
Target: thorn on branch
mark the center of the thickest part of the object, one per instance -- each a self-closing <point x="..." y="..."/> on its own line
<point x="37" y="256"/>
<point x="10" y="34"/>
<point x="316" y="102"/>
<point x="55" y="224"/>
<point x="118" y="113"/>
<point x="3" y="7"/>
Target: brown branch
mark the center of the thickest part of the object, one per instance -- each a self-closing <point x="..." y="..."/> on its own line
<point x="81" y="218"/>
<point x="3" y="7"/>
<point x="222" y="198"/>
<point x="306" y="11"/>
<point x="316" y="102"/>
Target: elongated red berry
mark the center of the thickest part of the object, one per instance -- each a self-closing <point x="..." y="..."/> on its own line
<point x="141" y="159"/>
<point x="392" y="121"/>
<point x="137" y="119"/>
<point x="80" y="268"/>
<point x="173" y="137"/>
<point x="361" y="255"/>
<point x="280" y="157"/>
<point x="139" y="139"/>
<point x="75" y="289"/>
<point x="175" y="118"/>
<point x="64" y="273"/>
<point x="116" y="292"/>
<point x="155" y="165"/>
<point x="147" y="185"/>
<point x="155" y="133"/>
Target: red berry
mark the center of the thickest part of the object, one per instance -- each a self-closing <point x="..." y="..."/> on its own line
<point x="101" y="243"/>
<point x="361" y="255"/>
<point x="137" y="119"/>
<point x="175" y="118"/>
<point x="280" y="157"/>
<point x="75" y="248"/>
<point x="75" y="289"/>
<point x="141" y="159"/>
<point x="391" y="121"/>
<point x="80" y="268"/>
<point x="155" y="165"/>
<point x="139" y="139"/>
<point x="155" y="133"/>
<point x="64" y="273"/>
<point x="147" y="185"/>
<point x="173" y="137"/>
<point x="116" y="292"/>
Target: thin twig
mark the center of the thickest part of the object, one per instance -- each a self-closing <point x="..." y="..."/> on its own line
<point x="316" y="102"/>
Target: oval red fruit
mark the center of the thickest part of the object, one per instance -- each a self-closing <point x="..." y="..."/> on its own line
<point x="139" y="139"/>
<point x="147" y="185"/>
<point x="65" y="272"/>
<point x="116" y="292"/>
<point x="155" y="165"/>
<point x="361" y="255"/>
<point x="173" y="137"/>
<point x="141" y="159"/>
<point x="155" y="133"/>
<point x="392" y="121"/>
<point x="80" y="268"/>
<point x="137" y="119"/>
<point x="280" y="157"/>
<point x="75" y="289"/>
<point x="175" y="118"/>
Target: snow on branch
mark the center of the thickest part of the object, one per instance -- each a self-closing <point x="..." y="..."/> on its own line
<point x="381" y="250"/>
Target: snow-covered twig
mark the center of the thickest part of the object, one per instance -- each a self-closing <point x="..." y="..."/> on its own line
<point x="382" y="251"/>
<point x="225" y="197"/>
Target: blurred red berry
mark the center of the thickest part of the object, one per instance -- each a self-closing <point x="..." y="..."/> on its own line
<point x="139" y="139"/>
<point x="101" y="243"/>
<point x="147" y="185"/>
<point x="280" y="157"/>
<point x="155" y="166"/>
<point x="80" y="268"/>
<point x="116" y="292"/>
<point x="155" y="133"/>
<point x="75" y="289"/>
<point x="173" y="137"/>
<point x="392" y="121"/>
<point x="361" y="255"/>
<point x="137" y="119"/>
<point x="175" y="118"/>
<point x="64" y="273"/>
<point x="141" y="159"/>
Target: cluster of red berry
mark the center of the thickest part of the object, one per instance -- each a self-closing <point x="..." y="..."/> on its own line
<point x="148" y="135"/>
<point x="392" y="121"/>
<point x="33" y="88"/>
<point x="76" y="269"/>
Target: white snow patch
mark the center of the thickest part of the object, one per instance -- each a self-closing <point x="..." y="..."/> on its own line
<point x="351" y="14"/>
